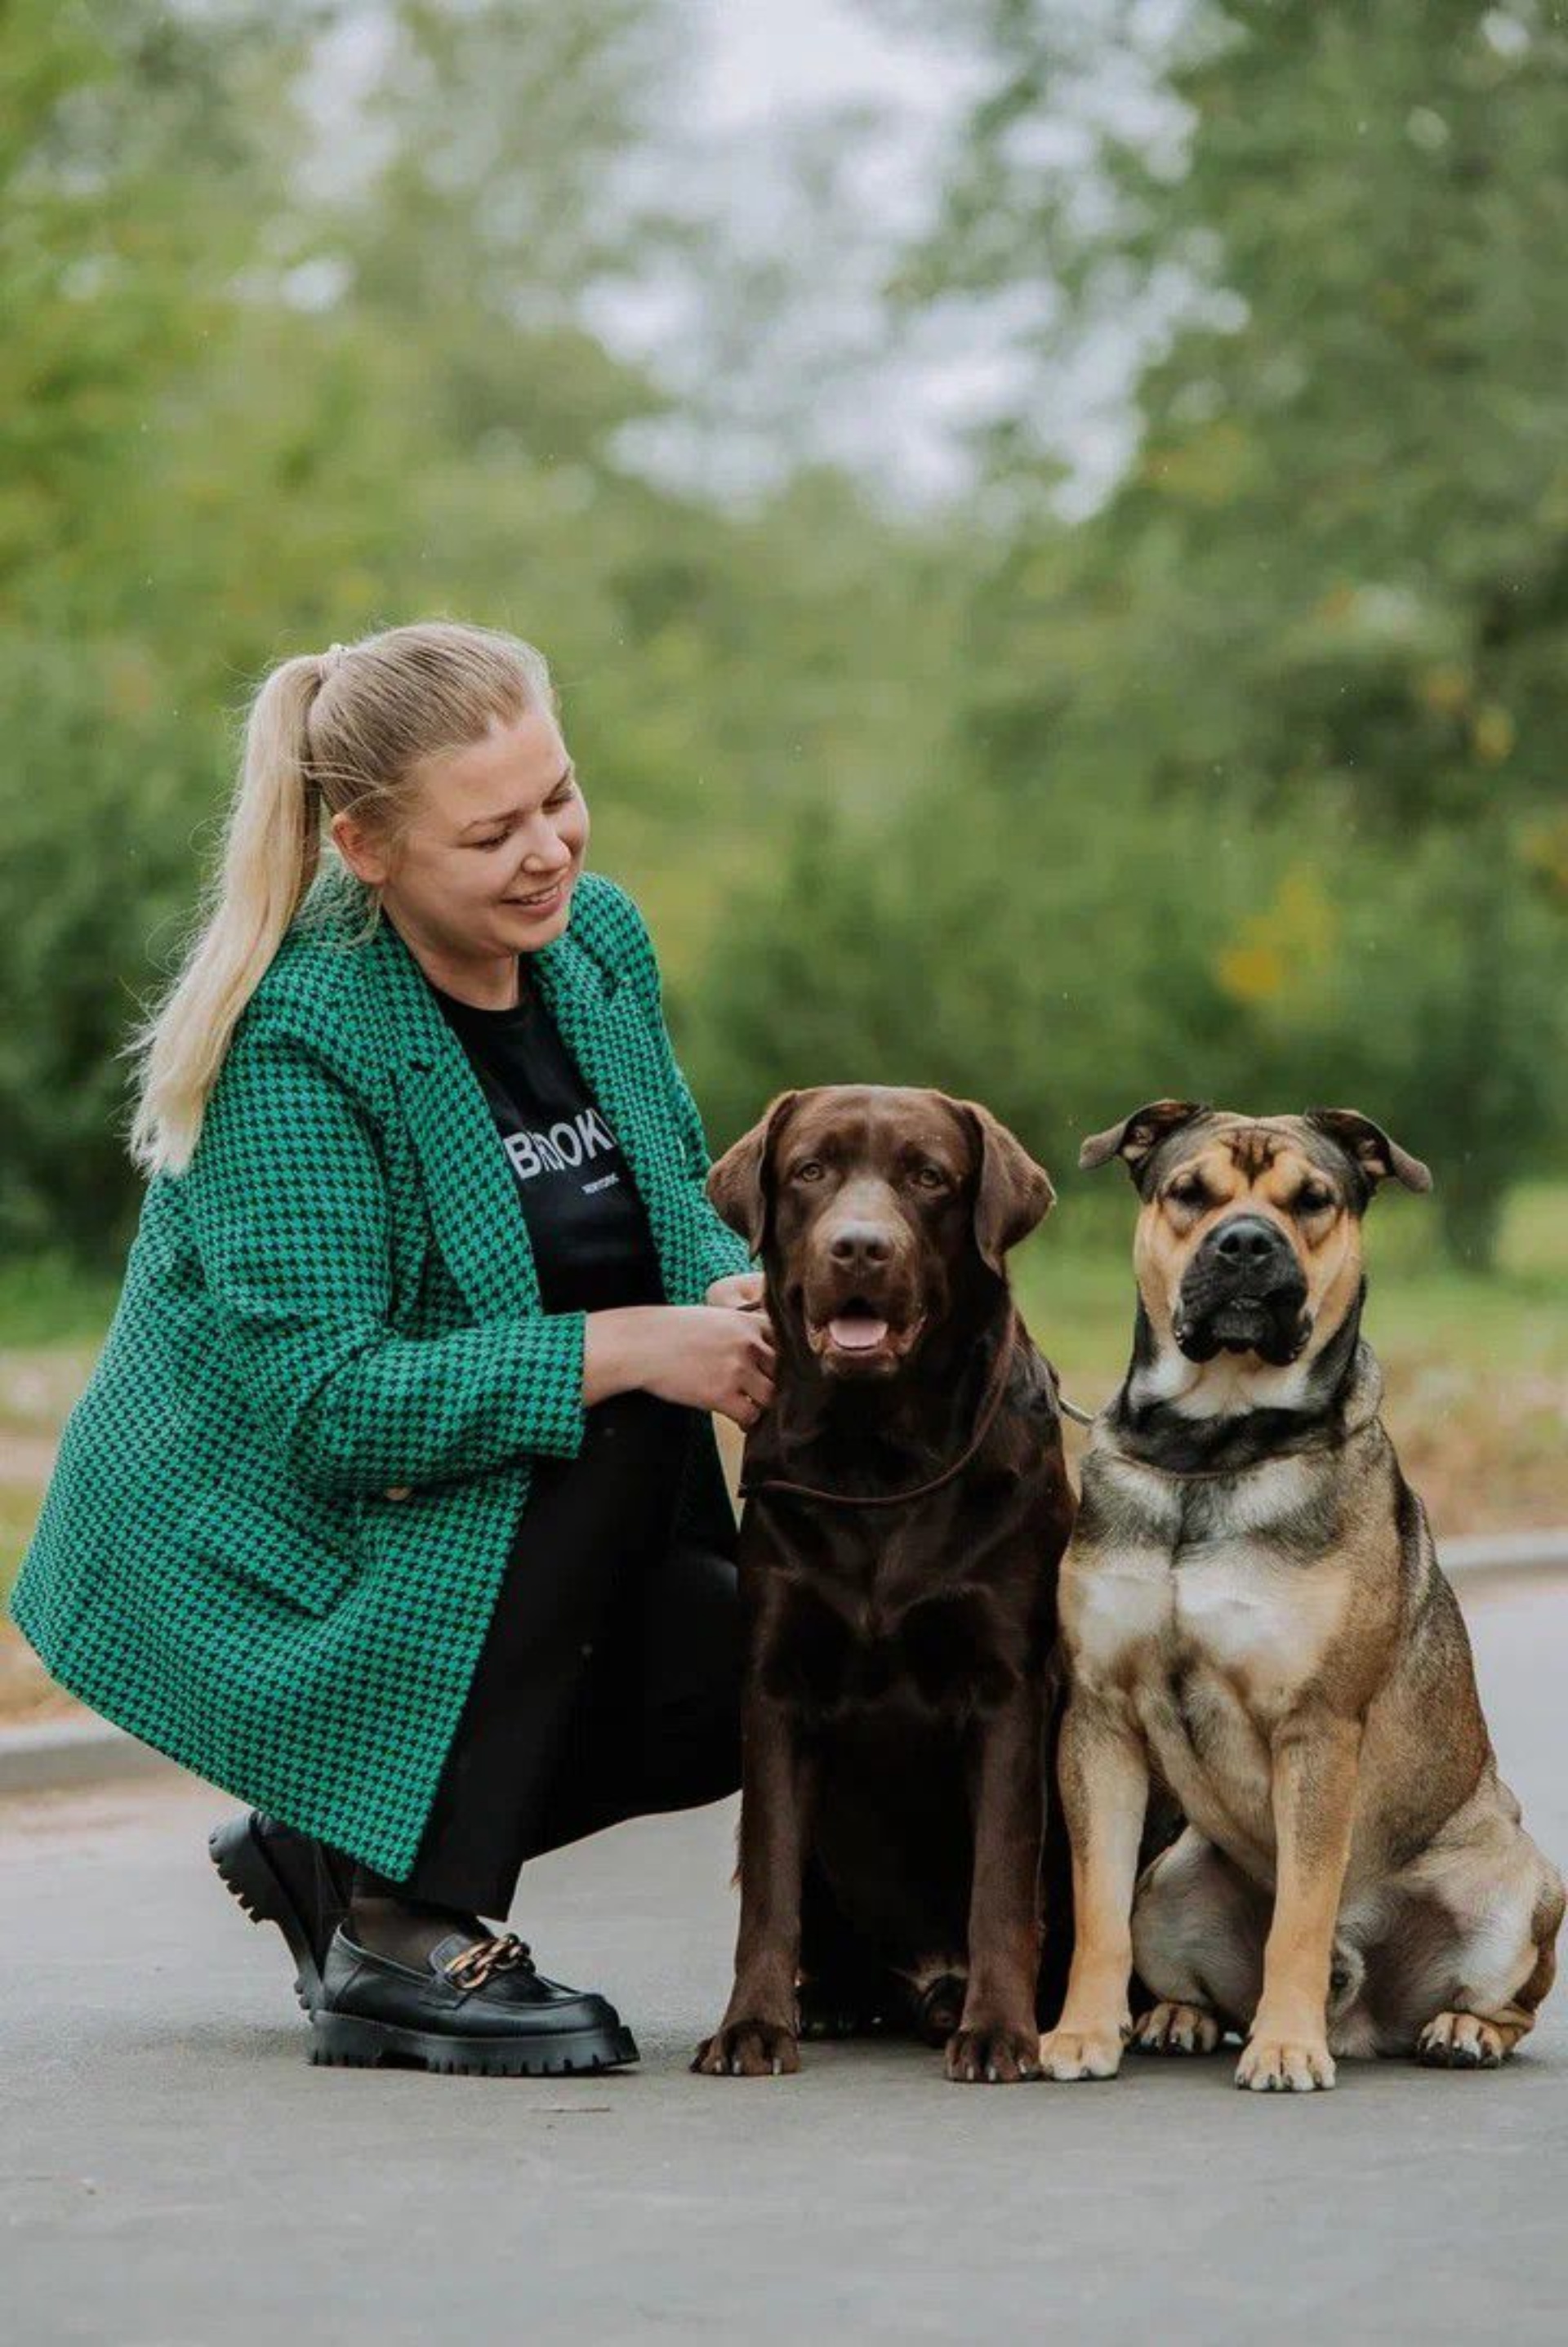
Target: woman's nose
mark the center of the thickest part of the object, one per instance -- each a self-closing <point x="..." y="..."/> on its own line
<point x="548" y="854"/>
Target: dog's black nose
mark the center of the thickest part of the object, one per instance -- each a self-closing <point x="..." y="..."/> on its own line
<point x="1247" y="1242"/>
<point x="861" y="1246"/>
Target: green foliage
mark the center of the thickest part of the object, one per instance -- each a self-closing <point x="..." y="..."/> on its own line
<point x="1262" y="789"/>
<point x="265" y="395"/>
<point x="1246" y="785"/>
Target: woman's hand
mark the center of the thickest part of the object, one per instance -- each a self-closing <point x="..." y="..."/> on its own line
<point x="741" y="1291"/>
<point x="703" y="1356"/>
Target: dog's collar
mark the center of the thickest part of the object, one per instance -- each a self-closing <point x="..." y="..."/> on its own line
<point x="1206" y="1448"/>
<point x="990" y="1403"/>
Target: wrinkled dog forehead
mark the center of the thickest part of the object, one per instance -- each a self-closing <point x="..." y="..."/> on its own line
<point x="1252" y="1145"/>
<point x="1338" y="1142"/>
<point x="1351" y="1151"/>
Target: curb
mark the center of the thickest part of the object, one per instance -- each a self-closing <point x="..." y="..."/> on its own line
<point x="63" y="1756"/>
<point x="1483" y="1555"/>
<point x="69" y="1755"/>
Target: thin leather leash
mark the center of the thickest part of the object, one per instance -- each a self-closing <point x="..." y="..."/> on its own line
<point x="990" y="1402"/>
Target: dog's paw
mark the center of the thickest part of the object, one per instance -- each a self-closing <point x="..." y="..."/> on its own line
<point x="1461" y="2041"/>
<point x="997" y="2056"/>
<point x="939" y="2007"/>
<point x="749" y="2049"/>
<point x="828" y="2013"/>
<point x="1271" y="2064"/>
<point x="1176" y="2029"/>
<point x="1066" y="2053"/>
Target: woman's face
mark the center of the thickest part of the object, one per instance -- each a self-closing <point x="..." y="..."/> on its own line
<point x="488" y="862"/>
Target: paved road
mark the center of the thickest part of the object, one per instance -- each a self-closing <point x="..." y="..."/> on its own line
<point x="176" y="2175"/>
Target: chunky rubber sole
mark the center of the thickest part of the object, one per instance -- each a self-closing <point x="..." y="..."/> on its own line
<point x="345" y="2042"/>
<point x="245" y="1872"/>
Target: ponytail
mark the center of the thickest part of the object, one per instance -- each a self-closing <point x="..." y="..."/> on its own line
<point x="270" y="852"/>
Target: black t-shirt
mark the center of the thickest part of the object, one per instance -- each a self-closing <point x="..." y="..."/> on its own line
<point x="588" y="1226"/>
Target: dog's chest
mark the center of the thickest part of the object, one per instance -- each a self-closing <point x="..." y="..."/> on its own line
<point x="878" y="1617"/>
<point x="1190" y="1602"/>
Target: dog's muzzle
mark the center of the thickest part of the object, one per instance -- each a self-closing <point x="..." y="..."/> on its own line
<point x="1244" y="1292"/>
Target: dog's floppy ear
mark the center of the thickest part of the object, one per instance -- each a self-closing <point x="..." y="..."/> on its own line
<point x="1137" y="1135"/>
<point x="1012" y="1196"/>
<point x="1369" y="1149"/>
<point x="738" y="1184"/>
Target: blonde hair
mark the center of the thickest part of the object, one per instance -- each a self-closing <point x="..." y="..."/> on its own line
<point x="341" y="731"/>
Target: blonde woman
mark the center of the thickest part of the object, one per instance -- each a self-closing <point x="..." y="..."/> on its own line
<point x="392" y="1505"/>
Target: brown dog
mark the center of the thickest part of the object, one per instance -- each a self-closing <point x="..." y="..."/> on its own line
<point x="1253" y="1611"/>
<point x="907" y="1509"/>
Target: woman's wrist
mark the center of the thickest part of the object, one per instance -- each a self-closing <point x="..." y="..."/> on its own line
<point x="618" y="1350"/>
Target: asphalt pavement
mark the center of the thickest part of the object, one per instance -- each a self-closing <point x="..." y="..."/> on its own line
<point x="176" y="2174"/>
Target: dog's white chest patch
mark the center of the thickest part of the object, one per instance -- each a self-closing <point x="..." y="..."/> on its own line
<point x="1182" y="1595"/>
<point x="1260" y="1623"/>
<point x="1123" y="1601"/>
<point x="1115" y="1598"/>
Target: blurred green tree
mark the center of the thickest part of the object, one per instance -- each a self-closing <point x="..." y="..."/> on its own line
<point x="1311" y="642"/>
<point x="287" y="370"/>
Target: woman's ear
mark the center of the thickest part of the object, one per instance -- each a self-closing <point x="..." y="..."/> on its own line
<point x="739" y="1186"/>
<point x="365" y="857"/>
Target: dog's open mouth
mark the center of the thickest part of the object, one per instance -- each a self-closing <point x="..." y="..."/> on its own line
<point x="858" y="1338"/>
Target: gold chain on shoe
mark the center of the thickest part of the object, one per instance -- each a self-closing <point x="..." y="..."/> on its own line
<point x="500" y="1954"/>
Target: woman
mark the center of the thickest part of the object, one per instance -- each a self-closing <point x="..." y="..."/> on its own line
<point x="393" y="1505"/>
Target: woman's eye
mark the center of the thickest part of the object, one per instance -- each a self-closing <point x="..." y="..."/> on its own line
<point x="499" y="841"/>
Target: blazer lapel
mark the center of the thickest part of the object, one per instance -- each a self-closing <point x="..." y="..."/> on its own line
<point x="603" y="1028"/>
<point x="470" y="1188"/>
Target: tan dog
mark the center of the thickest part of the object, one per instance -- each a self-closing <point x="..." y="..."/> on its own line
<point x="1252" y="1614"/>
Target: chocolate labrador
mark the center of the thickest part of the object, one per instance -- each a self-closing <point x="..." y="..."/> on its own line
<point x="1254" y="1615"/>
<point x="907" y="1505"/>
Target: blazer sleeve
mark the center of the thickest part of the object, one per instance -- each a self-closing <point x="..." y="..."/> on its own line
<point x="725" y="1252"/>
<point x="290" y="1213"/>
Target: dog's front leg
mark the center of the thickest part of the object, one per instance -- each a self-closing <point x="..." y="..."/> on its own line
<point x="1104" y="1772"/>
<point x="997" y="2040"/>
<point x="1313" y="1795"/>
<point x="758" y="2036"/>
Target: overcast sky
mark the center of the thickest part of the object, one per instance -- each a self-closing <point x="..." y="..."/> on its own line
<point x="755" y="72"/>
<point x="896" y="413"/>
<point x="759" y="69"/>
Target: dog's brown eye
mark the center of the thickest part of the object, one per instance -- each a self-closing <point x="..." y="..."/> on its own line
<point x="930" y="1177"/>
<point x="808" y="1170"/>
<point x="1188" y="1192"/>
<point x="1312" y="1200"/>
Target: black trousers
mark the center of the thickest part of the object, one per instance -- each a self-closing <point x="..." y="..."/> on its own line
<point x="608" y="1684"/>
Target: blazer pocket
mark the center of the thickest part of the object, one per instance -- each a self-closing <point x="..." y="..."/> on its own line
<point x="282" y="1548"/>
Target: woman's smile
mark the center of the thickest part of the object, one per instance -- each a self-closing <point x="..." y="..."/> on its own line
<point x="544" y="900"/>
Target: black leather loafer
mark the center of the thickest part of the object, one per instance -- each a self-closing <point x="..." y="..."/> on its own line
<point x="284" y="1877"/>
<point x="479" y="2006"/>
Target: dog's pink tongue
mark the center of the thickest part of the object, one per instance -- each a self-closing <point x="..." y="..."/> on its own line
<point x="853" y="1333"/>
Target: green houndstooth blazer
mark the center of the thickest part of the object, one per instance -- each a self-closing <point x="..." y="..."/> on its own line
<point x="281" y="1510"/>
